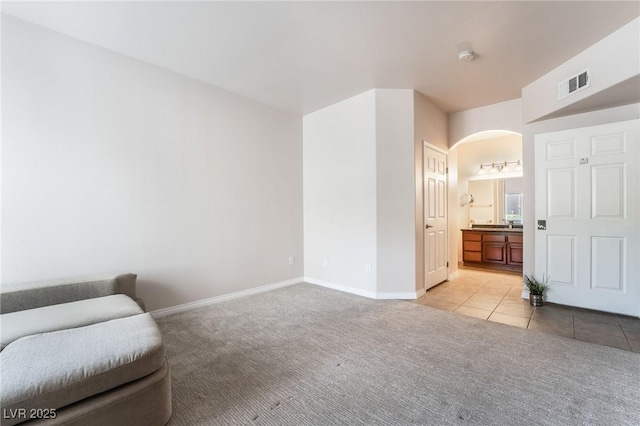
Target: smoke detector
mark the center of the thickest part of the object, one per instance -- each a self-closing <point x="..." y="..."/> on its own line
<point x="466" y="55"/>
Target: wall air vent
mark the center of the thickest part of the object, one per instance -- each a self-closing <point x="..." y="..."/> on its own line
<point x="574" y="84"/>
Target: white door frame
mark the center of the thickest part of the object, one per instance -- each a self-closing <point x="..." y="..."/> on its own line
<point x="426" y="144"/>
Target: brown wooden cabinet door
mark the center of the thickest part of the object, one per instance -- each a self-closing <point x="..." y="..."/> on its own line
<point x="514" y="254"/>
<point x="472" y="256"/>
<point x="494" y="253"/>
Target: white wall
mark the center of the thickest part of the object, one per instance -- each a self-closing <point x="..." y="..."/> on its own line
<point x="501" y="116"/>
<point x="340" y="221"/>
<point x="612" y="60"/>
<point x="396" y="245"/>
<point x="362" y="168"/>
<point x="490" y="150"/>
<point x="430" y="125"/>
<point x="110" y="164"/>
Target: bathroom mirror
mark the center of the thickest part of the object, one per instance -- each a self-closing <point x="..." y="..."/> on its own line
<point x="513" y="201"/>
<point x="496" y="201"/>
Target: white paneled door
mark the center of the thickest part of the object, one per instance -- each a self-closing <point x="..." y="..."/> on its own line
<point x="435" y="217"/>
<point x="588" y="192"/>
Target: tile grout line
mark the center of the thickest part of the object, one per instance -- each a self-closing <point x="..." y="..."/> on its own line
<point x="495" y="307"/>
<point x="467" y="299"/>
<point x="501" y="300"/>
<point x="491" y="313"/>
<point x="624" y="333"/>
<point x="529" y="318"/>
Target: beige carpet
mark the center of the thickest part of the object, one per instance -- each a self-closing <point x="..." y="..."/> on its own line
<point x="306" y="355"/>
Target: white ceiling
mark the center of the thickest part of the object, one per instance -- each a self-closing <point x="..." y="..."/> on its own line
<point x="302" y="56"/>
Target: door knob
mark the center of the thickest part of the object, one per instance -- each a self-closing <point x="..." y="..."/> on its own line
<point x="429" y="226"/>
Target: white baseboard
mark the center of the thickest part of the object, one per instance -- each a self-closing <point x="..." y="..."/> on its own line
<point x="223" y="298"/>
<point x="420" y="293"/>
<point x="366" y="293"/>
<point x="406" y="295"/>
<point x="454" y="275"/>
<point x="346" y="289"/>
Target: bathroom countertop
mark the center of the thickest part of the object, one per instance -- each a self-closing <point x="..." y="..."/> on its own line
<point x="516" y="230"/>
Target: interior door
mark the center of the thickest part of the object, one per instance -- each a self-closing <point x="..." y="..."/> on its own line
<point x="587" y="191"/>
<point x="435" y="217"/>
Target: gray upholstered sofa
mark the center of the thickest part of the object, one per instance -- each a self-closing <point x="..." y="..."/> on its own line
<point x="81" y="352"/>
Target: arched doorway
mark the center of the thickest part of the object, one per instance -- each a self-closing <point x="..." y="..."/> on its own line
<point x="488" y="163"/>
<point x="483" y="159"/>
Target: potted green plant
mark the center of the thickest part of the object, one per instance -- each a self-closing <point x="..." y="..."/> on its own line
<point x="536" y="288"/>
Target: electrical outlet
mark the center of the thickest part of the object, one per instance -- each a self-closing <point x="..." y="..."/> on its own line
<point x="367" y="268"/>
<point x="325" y="262"/>
<point x="292" y="260"/>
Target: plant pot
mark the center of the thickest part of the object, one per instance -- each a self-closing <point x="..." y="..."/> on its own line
<point x="535" y="300"/>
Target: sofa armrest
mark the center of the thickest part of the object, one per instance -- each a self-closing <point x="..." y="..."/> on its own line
<point x="30" y="295"/>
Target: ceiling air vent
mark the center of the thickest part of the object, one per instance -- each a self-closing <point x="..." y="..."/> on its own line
<point x="574" y="84"/>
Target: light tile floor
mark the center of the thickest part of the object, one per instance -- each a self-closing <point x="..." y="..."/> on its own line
<point x="495" y="296"/>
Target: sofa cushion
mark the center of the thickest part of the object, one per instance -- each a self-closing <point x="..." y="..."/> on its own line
<point x="67" y="315"/>
<point x="52" y="370"/>
<point x="30" y="295"/>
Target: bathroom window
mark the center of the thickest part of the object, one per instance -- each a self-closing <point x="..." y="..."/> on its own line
<point x="513" y="208"/>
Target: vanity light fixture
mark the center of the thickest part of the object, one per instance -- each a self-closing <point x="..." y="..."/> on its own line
<point x="503" y="166"/>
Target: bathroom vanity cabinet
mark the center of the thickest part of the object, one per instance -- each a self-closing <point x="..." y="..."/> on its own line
<point x="493" y="248"/>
